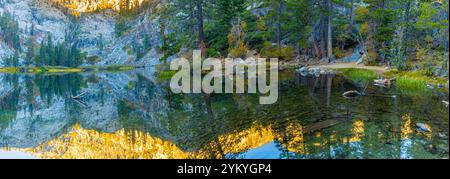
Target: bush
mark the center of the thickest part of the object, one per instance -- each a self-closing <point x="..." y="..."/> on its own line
<point x="338" y="53"/>
<point x="240" y="51"/>
<point x="271" y="51"/>
<point x="92" y="60"/>
<point x="212" y="52"/>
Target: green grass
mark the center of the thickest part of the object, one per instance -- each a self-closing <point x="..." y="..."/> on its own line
<point x="359" y="75"/>
<point x="407" y="82"/>
<point x="165" y="75"/>
<point x="9" y="70"/>
<point x="118" y="68"/>
<point x="414" y="82"/>
<point x="52" y="69"/>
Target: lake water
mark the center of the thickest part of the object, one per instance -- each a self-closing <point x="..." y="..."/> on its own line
<point x="135" y="115"/>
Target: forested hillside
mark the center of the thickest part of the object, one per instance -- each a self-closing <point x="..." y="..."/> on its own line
<point x="406" y="34"/>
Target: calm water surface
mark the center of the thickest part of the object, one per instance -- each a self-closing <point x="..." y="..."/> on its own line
<point x="135" y="115"/>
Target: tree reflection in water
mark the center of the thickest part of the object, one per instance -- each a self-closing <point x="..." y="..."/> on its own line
<point x="310" y="120"/>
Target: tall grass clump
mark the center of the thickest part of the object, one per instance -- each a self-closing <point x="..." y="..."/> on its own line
<point x="409" y="82"/>
<point x="359" y="75"/>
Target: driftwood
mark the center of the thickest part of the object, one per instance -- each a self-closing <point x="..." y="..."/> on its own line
<point x="81" y="103"/>
<point x="79" y="96"/>
<point x="78" y="100"/>
<point x="385" y="82"/>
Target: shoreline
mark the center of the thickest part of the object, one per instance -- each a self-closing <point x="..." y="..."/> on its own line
<point x="58" y="69"/>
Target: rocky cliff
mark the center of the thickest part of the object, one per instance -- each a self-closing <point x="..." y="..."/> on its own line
<point x="94" y="29"/>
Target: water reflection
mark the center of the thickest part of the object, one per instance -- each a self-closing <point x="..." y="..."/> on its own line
<point x="133" y="115"/>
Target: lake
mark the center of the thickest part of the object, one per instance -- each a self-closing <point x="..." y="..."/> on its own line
<point x="135" y="115"/>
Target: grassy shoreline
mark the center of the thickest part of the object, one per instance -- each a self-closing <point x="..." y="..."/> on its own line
<point x="406" y="81"/>
<point x="53" y="69"/>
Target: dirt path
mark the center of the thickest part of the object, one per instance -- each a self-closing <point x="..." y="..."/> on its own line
<point x="378" y="69"/>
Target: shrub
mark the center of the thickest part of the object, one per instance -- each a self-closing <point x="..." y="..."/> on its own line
<point x="271" y="51"/>
<point x="212" y="52"/>
<point x="338" y="53"/>
<point x="240" y="51"/>
<point x="92" y="60"/>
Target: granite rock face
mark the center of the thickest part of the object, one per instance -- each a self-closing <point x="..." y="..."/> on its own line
<point x="95" y="31"/>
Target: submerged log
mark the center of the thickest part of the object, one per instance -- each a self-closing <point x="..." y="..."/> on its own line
<point x="352" y="94"/>
<point x="321" y="125"/>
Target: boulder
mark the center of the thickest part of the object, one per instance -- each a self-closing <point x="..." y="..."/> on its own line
<point x="303" y="69"/>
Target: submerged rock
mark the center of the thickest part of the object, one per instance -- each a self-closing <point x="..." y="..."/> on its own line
<point x="303" y="69"/>
<point x="442" y="136"/>
<point x="352" y="94"/>
<point x="424" y="128"/>
<point x="445" y="103"/>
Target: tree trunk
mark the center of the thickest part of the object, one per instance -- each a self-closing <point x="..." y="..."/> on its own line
<point x="201" y="34"/>
<point x="404" y="45"/>
<point x="350" y="27"/>
<point x="330" y="40"/>
<point x="323" y="44"/>
<point x="280" y="11"/>
<point x="315" y="46"/>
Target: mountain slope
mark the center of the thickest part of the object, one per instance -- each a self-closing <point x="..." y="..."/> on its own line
<point x="93" y="32"/>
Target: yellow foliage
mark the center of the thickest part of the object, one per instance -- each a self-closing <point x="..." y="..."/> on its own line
<point x="240" y="51"/>
<point x="86" y="6"/>
<point x="364" y="28"/>
<point x="421" y="54"/>
<point x="270" y="51"/>
<point x="237" y="48"/>
<point x="361" y="13"/>
<point x="261" y="24"/>
<point x="338" y="53"/>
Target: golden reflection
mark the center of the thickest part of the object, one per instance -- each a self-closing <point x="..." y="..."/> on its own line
<point x="406" y="130"/>
<point x="357" y="132"/>
<point x="90" y="144"/>
<point x="293" y="139"/>
<point x="124" y="144"/>
<point x="247" y="139"/>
